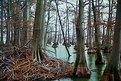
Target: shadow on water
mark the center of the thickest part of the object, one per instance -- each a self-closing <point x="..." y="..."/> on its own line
<point x="96" y="70"/>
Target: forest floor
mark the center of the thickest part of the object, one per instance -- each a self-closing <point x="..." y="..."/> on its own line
<point x="16" y="63"/>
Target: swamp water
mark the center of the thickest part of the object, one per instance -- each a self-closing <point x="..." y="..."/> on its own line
<point x="96" y="70"/>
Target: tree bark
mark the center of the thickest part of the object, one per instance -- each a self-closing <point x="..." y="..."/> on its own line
<point x="80" y="67"/>
<point x="26" y="18"/>
<point x="37" y="35"/>
<point x="16" y="41"/>
<point x="8" y="24"/>
<point x="99" y="59"/>
<point x="1" y="31"/>
<point x="109" y="27"/>
<point x="112" y="66"/>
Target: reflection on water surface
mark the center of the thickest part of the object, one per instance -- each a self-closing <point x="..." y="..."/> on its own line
<point x="96" y="70"/>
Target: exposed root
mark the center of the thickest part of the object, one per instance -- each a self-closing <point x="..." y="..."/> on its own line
<point x="108" y="76"/>
<point x="83" y="71"/>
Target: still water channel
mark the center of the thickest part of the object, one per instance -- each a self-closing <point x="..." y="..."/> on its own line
<point x="96" y="70"/>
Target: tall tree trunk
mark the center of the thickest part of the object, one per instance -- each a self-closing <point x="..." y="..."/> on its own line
<point x="73" y="35"/>
<point x="16" y="41"/>
<point x="55" y="43"/>
<point x="37" y="35"/>
<point x="43" y="29"/>
<point x="1" y="27"/>
<point x="99" y="59"/>
<point x="26" y="18"/>
<point x="111" y="71"/>
<point x="90" y="38"/>
<point x="47" y="26"/>
<point x="109" y="27"/>
<point x="80" y="67"/>
<point x="67" y="25"/>
<point x="12" y="23"/>
<point x="8" y="24"/>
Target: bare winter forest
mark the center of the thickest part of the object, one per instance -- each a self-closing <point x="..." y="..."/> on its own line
<point x="60" y="40"/>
